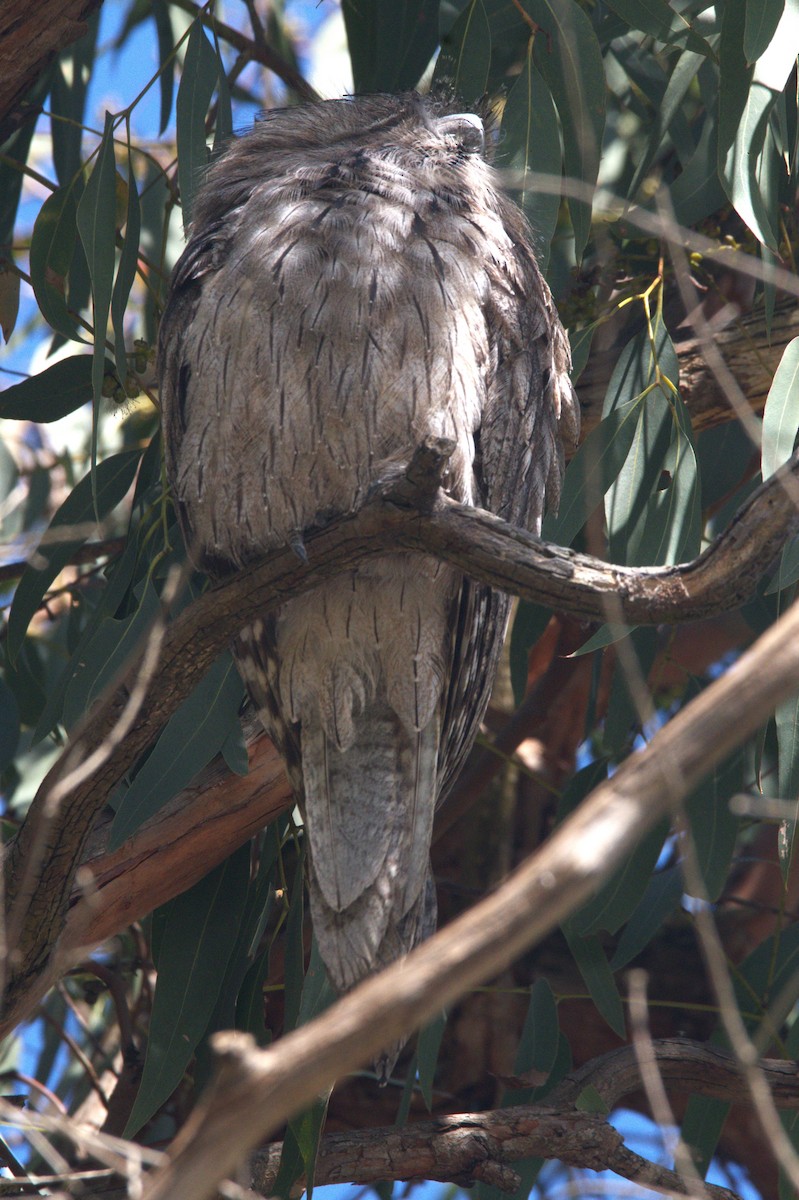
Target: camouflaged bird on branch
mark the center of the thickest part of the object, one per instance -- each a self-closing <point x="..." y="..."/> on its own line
<point x="355" y="280"/>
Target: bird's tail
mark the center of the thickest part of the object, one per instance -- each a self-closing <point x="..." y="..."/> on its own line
<point x="369" y="815"/>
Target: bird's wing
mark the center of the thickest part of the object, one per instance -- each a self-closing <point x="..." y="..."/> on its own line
<point x="530" y="412"/>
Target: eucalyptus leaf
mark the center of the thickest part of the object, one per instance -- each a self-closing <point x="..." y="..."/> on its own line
<point x="192" y="737"/>
<point x="194" y="96"/>
<point x="195" y="947"/>
<point x="568" y="56"/>
<point x="53" y="393"/>
<point x="465" y="59"/>
<point x="781" y="413"/>
<point x="71" y="526"/>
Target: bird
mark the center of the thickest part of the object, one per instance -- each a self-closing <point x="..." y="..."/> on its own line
<point x="355" y="281"/>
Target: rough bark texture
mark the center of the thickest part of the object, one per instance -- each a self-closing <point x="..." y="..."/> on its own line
<point x="32" y="32"/>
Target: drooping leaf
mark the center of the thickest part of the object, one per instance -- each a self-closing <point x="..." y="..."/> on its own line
<point x="660" y="899"/>
<point x="9" y="300"/>
<point x="591" y="472"/>
<point x="532" y="143"/>
<point x="786" y="717"/>
<point x="126" y="271"/>
<point x="781" y="413"/>
<point x="528" y="625"/>
<point x="301" y="1144"/>
<point x="223" y="130"/>
<point x="568" y="56"/>
<point x="760" y="24"/>
<point x="53" y="393"/>
<point x="166" y="45"/>
<point x="390" y="44"/>
<point x="55" y="711"/>
<point x="680" y="80"/>
<point x="96" y="221"/>
<point x="621" y="895"/>
<point x="714" y="827"/>
<point x="71" y="78"/>
<point x="192" y="737"/>
<point x="195" y="947"/>
<point x="428" y="1046"/>
<point x="197" y="83"/>
<point x="592" y="964"/>
<point x="9" y="725"/>
<point x="52" y="248"/>
<point x="465" y="59"/>
<point x="71" y="526"/>
<point x="107" y="646"/>
<point x="659" y="19"/>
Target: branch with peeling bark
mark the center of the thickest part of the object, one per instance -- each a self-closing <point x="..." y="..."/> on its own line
<point x="407" y="512"/>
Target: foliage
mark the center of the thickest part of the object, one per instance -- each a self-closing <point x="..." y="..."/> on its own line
<point x="683" y="112"/>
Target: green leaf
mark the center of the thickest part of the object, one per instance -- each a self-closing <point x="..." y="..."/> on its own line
<point x="16" y="149"/>
<point x="71" y="79"/>
<point x="653" y="507"/>
<point x="71" y="526"/>
<point x="465" y="59"/>
<point x="590" y="1101"/>
<point x="100" y="657"/>
<point x="52" y="247"/>
<point x="166" y="46"/>
<point x="223" y="129"/>
<point x="96" y="220"/>
<point x="390" y="44"/>
<point x="120" y="576"/>
<point x="661" y="898"/>
<point x="713" y="827"/>
<point x="531" y="142"/>
<point x="195" y="948"/>
<point x="760" y="24"/>
<point x="538" y="1045"/>
<point x="659" y="20"/>
<point x="592" y="964"/>
<point x="53" y="393"/>
<point x="428" y="1046"/>
<point x="697" y="192"/>
<point x="192" y="737"/>
<point x="301" y="1144"/>
<point x="787" y="721"/>
<point x="788" y="570"/>
<point x="528" y="626"/>
<point x="781" y="414"/>
<point x="745" y="102"/>
<point x="620" y="896"/>
<point x="250" y="1002"/>
<point x="682" y="76"/>
<point x="126" y="271"/>
<point x="591" y="472"/>
<point x="194" y="96"/>
<point x="9" y="725"/>
<point x="568" y="56"/>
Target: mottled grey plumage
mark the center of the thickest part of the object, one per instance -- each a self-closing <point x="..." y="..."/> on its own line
<point x="354" y="281"/>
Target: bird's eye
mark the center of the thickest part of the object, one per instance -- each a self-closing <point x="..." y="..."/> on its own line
<point x="466" y="128"/>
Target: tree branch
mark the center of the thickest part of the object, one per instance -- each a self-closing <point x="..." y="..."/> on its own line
<point x="256" y="1090"/>
<point x="405" y="513"/>
<point x="465" y="1147"/>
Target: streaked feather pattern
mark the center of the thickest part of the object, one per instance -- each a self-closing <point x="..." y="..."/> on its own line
<point x="354" y="281"/>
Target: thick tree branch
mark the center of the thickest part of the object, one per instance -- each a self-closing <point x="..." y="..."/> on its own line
<point x="465" y="1147"/>
<point x="407" y="512"/>
<point x="256" y="1090"/>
